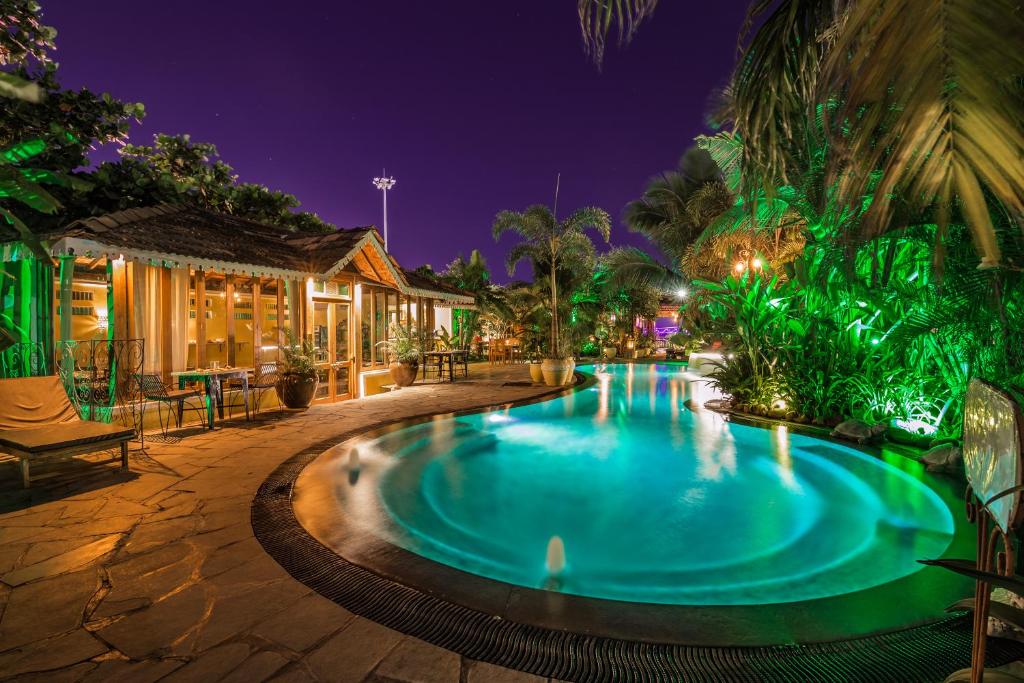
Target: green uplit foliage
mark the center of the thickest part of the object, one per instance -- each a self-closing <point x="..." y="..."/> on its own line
<point x="472" y="276"/>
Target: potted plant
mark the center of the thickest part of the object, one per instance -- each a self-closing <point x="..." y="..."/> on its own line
<point x="404" y="350"/>
<point x="297" y="378"/>
<point x="551" y="241"/>
<point x="608" y="350"/>
<point x="536" y="371"/>
<point x="644" y="345"/>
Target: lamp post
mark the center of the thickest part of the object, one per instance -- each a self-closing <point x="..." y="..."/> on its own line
<point x="385" y="183"/>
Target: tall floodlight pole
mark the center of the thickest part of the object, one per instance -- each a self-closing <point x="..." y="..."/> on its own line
<point x="385" y="183"/>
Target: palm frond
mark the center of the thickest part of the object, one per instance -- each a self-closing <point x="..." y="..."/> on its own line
<point x="727" y="151"/>
<point x="773" y="88"/>
<point x="27" y="237"/>
<point x="535" y="253"/>
<point x="597" y="16"/>
<point x="536" y="222"/>
<point x="943" y="120"/>
<point x="590" y="218"/>
<point x="631" y="267"/>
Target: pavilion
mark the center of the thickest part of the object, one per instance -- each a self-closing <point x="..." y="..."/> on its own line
<point x="201" y="288"/>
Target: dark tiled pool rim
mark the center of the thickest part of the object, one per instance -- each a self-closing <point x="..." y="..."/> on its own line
<point x="927" y="652"/>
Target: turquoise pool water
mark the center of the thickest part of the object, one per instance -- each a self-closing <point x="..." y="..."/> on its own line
<point x="653" y="502"/>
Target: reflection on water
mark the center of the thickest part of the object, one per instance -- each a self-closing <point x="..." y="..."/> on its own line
<point x="651" y="500"/>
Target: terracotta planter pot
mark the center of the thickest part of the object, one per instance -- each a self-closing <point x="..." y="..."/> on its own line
<point x="536" y="373"/>
<point x="296" y="391"/>
<point x="403" y="373"/>
<point x="609" y="352"/>
<point x="557" y="371"/>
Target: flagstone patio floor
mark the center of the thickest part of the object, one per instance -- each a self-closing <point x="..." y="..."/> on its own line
<point x="155" y="574"/>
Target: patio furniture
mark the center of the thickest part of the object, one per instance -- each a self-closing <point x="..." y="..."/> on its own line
<point x="431" y="366"/>
<point x="264" y="379"/>
<point x="496" y="351"/>
<point x="447" y="359"/>
<point x="213" y="380"/>
<point x="153" y="389"/>
<point x="460" y="358"/>
<point x="38" y="421"/>
<point x="514" y="350"/>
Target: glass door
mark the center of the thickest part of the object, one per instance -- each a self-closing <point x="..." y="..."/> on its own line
<point x="332" y="349"/>
<point x="322" y="349"/>
<point x="341" y="352"/>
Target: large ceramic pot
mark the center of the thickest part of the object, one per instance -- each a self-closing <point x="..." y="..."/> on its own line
<point x="296" y="391"/>
<point x="403" y="372"/>
<point x="557" y="371"/>
<point x="609" y="352"/>
<point x="536" y="373"/>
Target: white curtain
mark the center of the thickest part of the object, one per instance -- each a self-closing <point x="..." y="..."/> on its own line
<point x="179" y="319"/>
<point x="148" y="314"/>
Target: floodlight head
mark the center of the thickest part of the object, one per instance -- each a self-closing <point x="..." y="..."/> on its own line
<point x="384" y="183"/>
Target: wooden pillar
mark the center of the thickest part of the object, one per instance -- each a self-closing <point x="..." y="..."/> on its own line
<point x="166" y="325"/>
<point x="200" y="319"/>
<point x="229" y="314"/>
<point x="257" y="323"/>
<point x="280" y="318"/>
<point x="119" y="308"/>
<point x="307" y="309"/>
<point x="295" y="314"/>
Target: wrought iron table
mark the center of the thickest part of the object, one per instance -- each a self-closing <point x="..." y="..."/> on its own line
<point x="213" y="380"/>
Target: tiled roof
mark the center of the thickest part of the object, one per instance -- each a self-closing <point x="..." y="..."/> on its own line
<point x="192" y="235"/>
<point x="421" y="282"/>
<point x="186" y="232"/>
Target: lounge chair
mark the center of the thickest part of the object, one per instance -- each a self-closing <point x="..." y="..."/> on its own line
<point x="38" y="421"/>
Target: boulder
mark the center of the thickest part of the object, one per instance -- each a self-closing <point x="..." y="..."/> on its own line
<point x="999" y="628"/>
<point x="946" y="457"/>
<point x="858" y="430"/>
<point x="718" y="404"/>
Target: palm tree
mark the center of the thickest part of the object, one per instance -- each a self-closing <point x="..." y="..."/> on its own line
<point x="673" y="213"/>
<point x="676" y="205"/>
<point x="939" y="125"/>
<point x="548" y="241"/>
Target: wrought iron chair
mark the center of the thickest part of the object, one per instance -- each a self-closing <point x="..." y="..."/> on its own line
<point x="433" y="367"/>
<point x="263" y="380"/>
<point x="153" y="388"/>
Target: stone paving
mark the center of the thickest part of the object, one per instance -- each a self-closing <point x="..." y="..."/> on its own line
<point x="155" y="574"/>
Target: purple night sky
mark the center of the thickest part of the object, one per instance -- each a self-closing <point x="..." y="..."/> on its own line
<point x="473" y="107"/>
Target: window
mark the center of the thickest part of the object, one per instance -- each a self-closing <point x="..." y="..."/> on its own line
<point x="379" y="326"/>
<point x="366" y="326"/>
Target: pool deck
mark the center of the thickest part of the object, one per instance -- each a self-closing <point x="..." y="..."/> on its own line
<point x="155" y="574"/>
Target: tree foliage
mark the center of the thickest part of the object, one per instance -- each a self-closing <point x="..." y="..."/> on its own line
<point x="553" y="245"/>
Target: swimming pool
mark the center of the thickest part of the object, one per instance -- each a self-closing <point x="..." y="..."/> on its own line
<point x="652" y="501"/>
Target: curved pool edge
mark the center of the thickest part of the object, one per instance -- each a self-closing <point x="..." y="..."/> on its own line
<point x="578" y="638"/>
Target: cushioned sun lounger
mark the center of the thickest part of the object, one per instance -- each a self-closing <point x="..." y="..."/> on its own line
<point x="38" y="421"/>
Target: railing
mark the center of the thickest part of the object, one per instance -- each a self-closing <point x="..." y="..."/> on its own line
<point x="23" y="359"/>
<point x="99" y="374"/>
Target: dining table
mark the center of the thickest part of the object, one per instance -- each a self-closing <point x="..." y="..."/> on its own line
<point x="213" y="380"/>
<point x="449" y="356"/>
